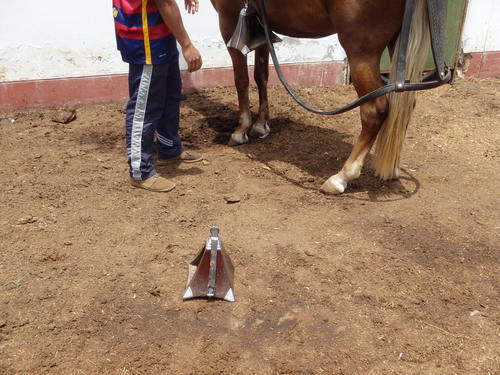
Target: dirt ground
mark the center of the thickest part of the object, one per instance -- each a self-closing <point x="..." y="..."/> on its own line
<point x="388" y="278"/>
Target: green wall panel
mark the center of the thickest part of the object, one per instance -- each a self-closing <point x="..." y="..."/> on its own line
<point x="455" y="17"/>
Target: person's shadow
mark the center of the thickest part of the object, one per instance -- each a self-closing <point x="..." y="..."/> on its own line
<point x="316" y="152"/>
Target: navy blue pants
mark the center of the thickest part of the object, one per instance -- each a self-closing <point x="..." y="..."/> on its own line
<point x="153" y="109"/>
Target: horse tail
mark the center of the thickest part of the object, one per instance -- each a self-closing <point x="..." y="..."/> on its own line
<point x="389" y="143"/>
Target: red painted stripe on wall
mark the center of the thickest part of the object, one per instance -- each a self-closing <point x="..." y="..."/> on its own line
<point x="24" y="95"/>
<point x="484" y="65"/>
<point x="61" y="92"/>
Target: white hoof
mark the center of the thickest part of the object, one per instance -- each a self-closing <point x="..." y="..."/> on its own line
<point x="238" y="139"/>
<point x="260" y="131"/>
<point x="334" y="185"/>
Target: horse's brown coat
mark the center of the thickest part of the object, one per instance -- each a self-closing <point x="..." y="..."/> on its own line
<point x="364" y="27"/>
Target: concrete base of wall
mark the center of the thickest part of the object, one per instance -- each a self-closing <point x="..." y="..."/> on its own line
<point x="48" y="93"/>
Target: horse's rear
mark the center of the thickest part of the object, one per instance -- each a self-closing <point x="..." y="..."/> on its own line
<point x="365" y="28"/>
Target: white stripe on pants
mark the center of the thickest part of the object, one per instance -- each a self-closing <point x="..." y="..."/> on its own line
<point x="138" y="122"/>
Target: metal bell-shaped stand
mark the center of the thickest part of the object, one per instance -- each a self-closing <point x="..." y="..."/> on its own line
<point x="211" y="273"/>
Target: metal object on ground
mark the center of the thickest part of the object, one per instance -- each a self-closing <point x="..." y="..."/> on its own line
<point x="211" y="273"/>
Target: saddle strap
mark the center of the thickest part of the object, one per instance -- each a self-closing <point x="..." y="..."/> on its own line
<point x="403" y="45"/>
<point x="437" y="10"/>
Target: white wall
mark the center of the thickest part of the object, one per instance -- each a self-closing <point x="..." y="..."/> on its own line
<point x="68" y="38"/>
<point x="56" y="38"/>
<point x="482" y="26"/>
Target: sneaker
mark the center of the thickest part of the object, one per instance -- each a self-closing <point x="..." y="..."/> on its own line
<point x="183" y="157"/>
<point x="155" y="183"/>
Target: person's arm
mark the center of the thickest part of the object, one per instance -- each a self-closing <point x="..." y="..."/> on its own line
<point x="172" y="17"/>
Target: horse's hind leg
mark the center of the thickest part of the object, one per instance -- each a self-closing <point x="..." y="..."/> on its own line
<point x="260" y="128"/>
<point x="365" y="74"/>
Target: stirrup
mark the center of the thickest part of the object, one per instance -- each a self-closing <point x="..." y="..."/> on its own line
<point x="249" y="33"/>
<point x="211" y="273"/>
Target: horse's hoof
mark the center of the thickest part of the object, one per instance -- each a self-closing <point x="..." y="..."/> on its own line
<point x="260" y="131"/>
<point x="238" y="139"/>
<point x="333" y="185"/>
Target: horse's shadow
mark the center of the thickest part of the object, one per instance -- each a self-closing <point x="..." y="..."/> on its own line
<point x="302" y="154"/>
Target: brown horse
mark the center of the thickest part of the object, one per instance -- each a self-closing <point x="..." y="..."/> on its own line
<point x="365" y="28"/>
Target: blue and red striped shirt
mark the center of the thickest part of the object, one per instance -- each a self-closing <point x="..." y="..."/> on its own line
<point x="141" y="35"/>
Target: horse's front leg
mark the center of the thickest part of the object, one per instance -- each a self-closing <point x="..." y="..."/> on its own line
<point x="260" y="128"/>
<point x="365" y="75"/>
<point x="241" y="81"/>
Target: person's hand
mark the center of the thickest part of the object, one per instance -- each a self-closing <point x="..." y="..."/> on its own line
<point x="192" y="6"/>
<point x="192" y="57"/>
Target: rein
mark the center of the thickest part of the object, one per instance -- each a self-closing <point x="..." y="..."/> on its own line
<point x="437" y="17"/>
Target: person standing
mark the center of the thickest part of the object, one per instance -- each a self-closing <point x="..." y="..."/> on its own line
<point x="147" y="32"/>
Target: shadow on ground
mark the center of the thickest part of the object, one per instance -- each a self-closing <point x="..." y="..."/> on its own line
<point x="302" y="154"/>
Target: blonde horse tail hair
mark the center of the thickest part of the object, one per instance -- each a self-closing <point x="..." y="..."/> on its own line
<point x="389" y="143"/>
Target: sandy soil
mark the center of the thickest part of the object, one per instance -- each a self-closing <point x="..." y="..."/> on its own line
<point x="389" y="278"/>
